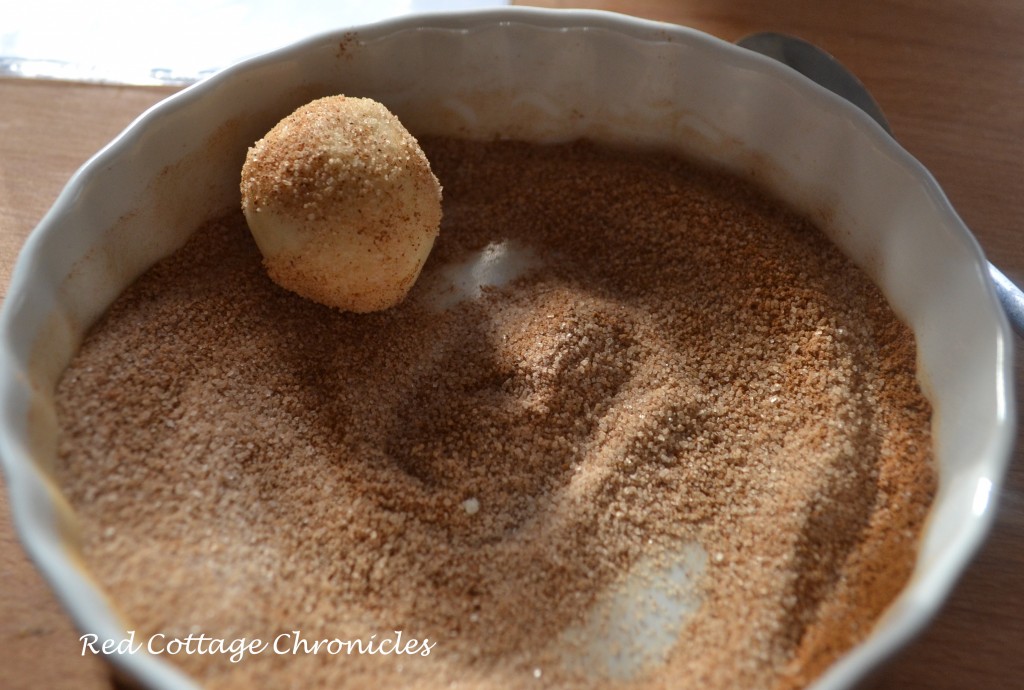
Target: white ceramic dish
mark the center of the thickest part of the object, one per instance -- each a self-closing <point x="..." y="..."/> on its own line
<point x="541" y="75"/>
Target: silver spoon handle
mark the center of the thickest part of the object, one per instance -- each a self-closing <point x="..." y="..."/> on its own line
<point x="1011" y="297"/>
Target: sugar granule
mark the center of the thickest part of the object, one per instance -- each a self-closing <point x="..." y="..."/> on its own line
<point x="689" y="362"/>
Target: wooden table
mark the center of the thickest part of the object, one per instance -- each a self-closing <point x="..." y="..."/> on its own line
<point x="948" y="73"/>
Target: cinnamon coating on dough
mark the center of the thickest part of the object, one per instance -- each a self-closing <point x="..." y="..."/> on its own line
<point x="342" y="203"/>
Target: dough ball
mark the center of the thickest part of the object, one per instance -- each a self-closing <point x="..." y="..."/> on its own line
<point x="342" y="203"/>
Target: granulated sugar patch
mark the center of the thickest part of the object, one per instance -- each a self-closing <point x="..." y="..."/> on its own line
<point x="686" y="366"/>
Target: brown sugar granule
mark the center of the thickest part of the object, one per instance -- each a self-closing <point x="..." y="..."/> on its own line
<point x="685" y="372"/>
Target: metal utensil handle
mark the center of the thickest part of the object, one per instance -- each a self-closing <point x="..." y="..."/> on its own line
<point x="1011" y="297"/>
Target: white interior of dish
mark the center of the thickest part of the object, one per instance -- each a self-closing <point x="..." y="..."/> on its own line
<point x="542" y="76"/>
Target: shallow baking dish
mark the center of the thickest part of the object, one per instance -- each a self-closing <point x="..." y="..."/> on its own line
<point x="543" y="76"/>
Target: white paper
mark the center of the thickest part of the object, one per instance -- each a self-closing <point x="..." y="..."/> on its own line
<point x="178" y="42"/>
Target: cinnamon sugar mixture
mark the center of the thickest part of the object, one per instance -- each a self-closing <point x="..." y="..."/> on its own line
<point x="684" y="447"/>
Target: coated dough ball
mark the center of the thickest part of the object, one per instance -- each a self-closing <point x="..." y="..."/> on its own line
<point x="342" y="203"/>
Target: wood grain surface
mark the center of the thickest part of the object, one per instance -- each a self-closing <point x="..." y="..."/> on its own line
<point x="948" y="73"/>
